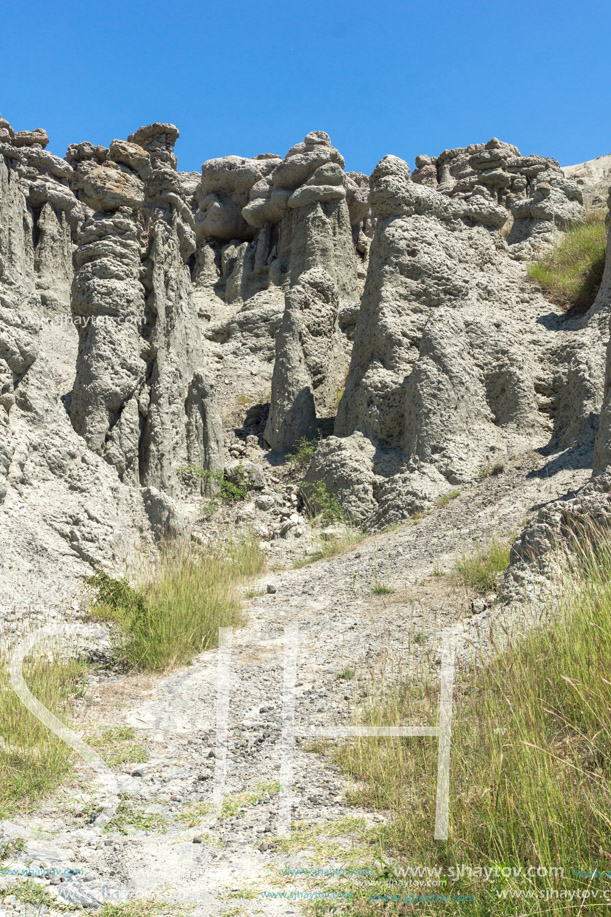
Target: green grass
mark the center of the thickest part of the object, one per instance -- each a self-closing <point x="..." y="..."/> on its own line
<point x="175" y="614"/>
<point x="446" y="498"/>
<point x="571" y="272"/>
<point x="235" y="803"/>
<point x="133" y="816"/>
<point x="379" y="588"/>
<point x="228" y="486"/>
<point x="331" y="546"/>
<point x="192" y="814"/>
<point x="481" y="566"/>
<point x="140" y="908"/>
<point x="530" y="762"/>
<point x="346" y="674"/>
<point x="117" y="746"/>
<point x="33" y="761"/>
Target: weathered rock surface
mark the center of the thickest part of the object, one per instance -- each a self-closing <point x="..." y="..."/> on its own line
<point x="263" y="222"/>
<point x="537" y="194"/>
<point x="61" y="507"/>
<point x="602" y="309"/>
<point x="310" y="361"/>
<point x="452" y="367"/>
<point x="141" y="397"/>
<point x="594" y="180"/>
<point x="130" y="293"/>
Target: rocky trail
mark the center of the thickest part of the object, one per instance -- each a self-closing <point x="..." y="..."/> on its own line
<point x="165" y="841"/>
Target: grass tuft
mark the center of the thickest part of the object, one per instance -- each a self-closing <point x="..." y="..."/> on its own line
<point x="33" y="761"/>
<point x="480" y="567"/>
<point x="175" y="614"/>
<point x="571" y="272"/>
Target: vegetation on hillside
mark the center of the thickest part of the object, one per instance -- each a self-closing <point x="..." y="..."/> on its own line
<point x="530" y="770"/>
<point x="481" y="566"/>
<point x="33" y="761"/>
<point x="177" y="612"/>
<point x="571" y="272"/>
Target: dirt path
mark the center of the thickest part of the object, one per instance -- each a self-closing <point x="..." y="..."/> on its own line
<point x="342" y="633"/>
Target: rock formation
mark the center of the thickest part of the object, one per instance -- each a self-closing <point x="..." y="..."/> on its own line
<point x="538" y="196"/>
<point x="141" y="398"/>
<point x="441" y="385"/>
<point x="602" y="445"/>
<point x="62" y="507"/>
<point x="263" y="222"/>
<point x="593" y="179"/>
<point x="310" y="361"/>
<point x="130" y="293"/>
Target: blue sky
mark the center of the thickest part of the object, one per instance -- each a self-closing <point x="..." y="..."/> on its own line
<point x="380" y="77"/>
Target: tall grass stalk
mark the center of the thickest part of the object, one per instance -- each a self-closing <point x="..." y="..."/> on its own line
<point x="572" y="271"/>
<point x="33" y="761"/>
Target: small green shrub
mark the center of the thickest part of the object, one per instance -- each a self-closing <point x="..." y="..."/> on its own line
<point x="304" y="452"/>
<point x="231" y="487"/>
<point x="321" y="505"/>
<point x="571" y="272"/>
<point x="480" y="567"/>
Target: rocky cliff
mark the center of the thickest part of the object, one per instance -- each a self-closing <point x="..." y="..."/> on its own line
<point x="392" y="315"/>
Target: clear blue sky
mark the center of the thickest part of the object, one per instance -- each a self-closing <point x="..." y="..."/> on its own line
<point x="381" y="76"/>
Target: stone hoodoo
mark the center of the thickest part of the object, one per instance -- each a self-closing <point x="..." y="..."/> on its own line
<point x="129" y="291"/>
<point x="141" y="398"/>
<point x="538" y="196"/>
<point x="61" y="507"/>
<point x="310" y="361"/>
<point x="45" y="182"/>
<point x="263" y="222"/>
<point x="440" y="385"/>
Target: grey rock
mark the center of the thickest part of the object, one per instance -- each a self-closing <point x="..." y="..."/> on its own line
<point x="309" y="364"/>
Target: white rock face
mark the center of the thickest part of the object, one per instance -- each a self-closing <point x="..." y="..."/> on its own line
<point x="130" y="293"/>
<point x="593" y="178"/>
<point x="452" y="368"/>
<point x="602" y="446"/>
<point x="141" y="397"/>
<point x="538" y="195"/>
<point x="65" y="502"/>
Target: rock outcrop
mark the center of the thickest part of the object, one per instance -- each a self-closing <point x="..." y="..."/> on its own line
<point x="441" y="384"/>
<point x="310" y="361"/>
<point x="593" y="179"/>
<point x="141" y="397"/>
<point x="130" y="292"/>
<point x="538" y="197"/>
<point x="602" y="445"/>
<point x="263" y="222"/>
<point x="62" y="508"/>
